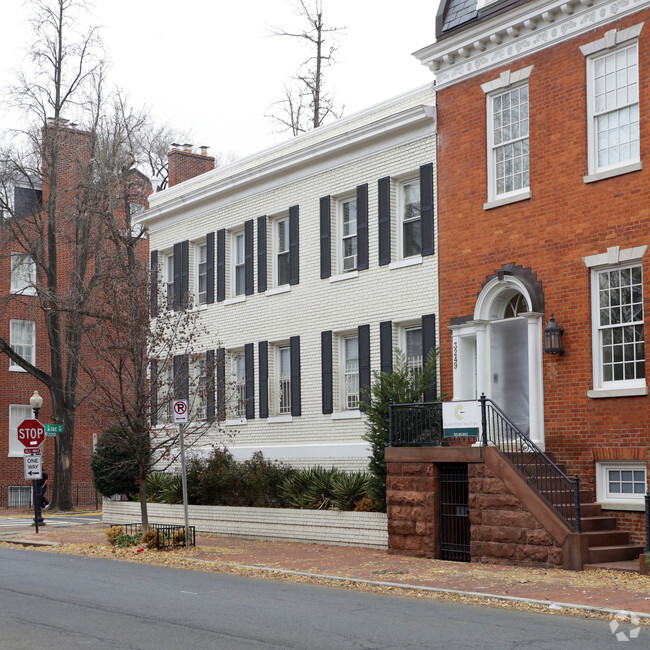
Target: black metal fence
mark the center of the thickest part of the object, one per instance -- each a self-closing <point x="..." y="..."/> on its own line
<point x="415" y="424"/>
<point x="167" y="535"/>
<point x="20" y="496"/>
<point x="647" y="522"/>
<point x="454" y="512"/>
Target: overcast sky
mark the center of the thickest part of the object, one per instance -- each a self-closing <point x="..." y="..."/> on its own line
<point x="210" y="66"/>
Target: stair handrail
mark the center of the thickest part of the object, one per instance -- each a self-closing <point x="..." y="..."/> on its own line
<point x="539" y="471"/>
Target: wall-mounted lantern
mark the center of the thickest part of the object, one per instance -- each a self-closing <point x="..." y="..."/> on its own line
<point x="553" y="337"/>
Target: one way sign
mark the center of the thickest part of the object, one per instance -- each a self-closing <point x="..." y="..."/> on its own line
<point x="33" y="467"/>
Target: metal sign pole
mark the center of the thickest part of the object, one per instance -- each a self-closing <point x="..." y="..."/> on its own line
<point x="184" y="480"/>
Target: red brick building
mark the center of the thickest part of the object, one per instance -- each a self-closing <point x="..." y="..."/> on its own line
<point x="543" y="204"/>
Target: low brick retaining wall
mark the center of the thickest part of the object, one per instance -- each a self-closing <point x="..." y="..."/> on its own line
<point x="367" y="529"/>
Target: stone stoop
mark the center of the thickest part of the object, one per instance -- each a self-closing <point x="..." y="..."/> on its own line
<point x="609" y="547"/>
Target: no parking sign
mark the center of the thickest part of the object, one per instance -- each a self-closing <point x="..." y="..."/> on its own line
<point x="180" y="411"/>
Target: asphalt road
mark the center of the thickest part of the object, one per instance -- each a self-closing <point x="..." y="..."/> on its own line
<point x="51" y="520"/>
<point x="62" y="602"/>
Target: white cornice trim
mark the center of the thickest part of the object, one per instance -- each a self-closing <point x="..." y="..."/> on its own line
<point x="519" y="32"/>
<point x="406" y="120"/>
<point x="615" y="255"/>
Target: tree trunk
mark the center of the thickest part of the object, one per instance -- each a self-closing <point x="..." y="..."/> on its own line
<point x="62" y="494"/>
<point x="143" y="501"/>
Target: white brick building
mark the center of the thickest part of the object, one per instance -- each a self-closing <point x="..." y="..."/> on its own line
<point x="309" y="262"/>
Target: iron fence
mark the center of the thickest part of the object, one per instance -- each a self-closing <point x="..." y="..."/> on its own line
<point x="20" y="496"/>
<point x="167" y="535"/>
<point x="417" y="424"/>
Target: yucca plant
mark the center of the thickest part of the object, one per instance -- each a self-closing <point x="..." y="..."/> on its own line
<point x="349" y="489"/>
<point x="172" y="491"/>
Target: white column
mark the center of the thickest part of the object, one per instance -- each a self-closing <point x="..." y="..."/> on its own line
<point x="535" y="377"/>
<point x="483" y="383"/>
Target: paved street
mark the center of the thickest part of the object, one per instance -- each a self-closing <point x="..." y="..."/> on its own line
<point x="58" y="601"/>
<point x="51" y="520"/>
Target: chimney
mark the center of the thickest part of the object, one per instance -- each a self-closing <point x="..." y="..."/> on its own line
<point x="185" y="164"/>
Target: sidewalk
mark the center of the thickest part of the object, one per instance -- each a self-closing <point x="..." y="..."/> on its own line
<point x="589" y="593"/>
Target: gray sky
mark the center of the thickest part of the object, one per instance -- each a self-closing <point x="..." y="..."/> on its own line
<point x="210" y="67"/>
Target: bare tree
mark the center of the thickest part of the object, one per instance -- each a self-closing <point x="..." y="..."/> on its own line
<point x="306" y="104"/>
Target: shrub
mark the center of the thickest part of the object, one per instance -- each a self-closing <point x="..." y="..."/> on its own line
<point x="349" y="489"/>
<point x="113" y="464"/>
<point x="112" y="533"/>
<point x="150" y="539"/>
<point x="124" y="540"/>
<point x="172" y="491"/>
<point x="178" y="538"/>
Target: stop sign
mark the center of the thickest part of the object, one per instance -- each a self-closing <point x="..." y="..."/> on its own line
<point x="31" y="433"/>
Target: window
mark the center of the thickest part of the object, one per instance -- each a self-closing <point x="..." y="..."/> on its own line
<point x="238" y="264"/>
<point x="613" y="109"/>
<point x="168" y="271"/>
<point x="348" y="235"/>
<point x="200" y="386"/>
<point x="508" y="171"/>
<point x="618" y="311"/>
<point x="238" y="397"/>
<point x="350" y="383"/>
<point x="413" y="348"/>
<point x="23" y="341"/>
<point x="23" y="274"/>
<point x="281" y="239"/>
<point x="202" y="274"/>
<point x="411" y="221"/>
<point x="621" y="482"/>
<point x="283" y="381"/>
<point x="168" y="393"/>
<point x="17" y="413"/>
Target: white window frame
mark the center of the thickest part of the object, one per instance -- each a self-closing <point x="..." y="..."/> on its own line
<point x="402" y="220"/>
<point x="30" y="347"/>
<point x="17" y="413"/>
<point x="341" y="237"/>
<point x="282" y="382"/>
<point x="237" y="401"/>
<point x="348" y="375"/>
<point x="615" y="258"/>
<point x="279" y="251"/>
<point x="200" y="390"/>
<point x="613" y="42"/>
<point x="168" y="275"/>
<point x="404" y="333"/>
<point x="201" y="296"/>
<point x="603" y="494"/>
<point x="23" y="283"/>
<point x="238" y="263"/>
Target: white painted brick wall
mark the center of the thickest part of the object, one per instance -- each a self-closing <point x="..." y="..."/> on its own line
<point x="367" y="529"/>
<point x="401" y="295"/>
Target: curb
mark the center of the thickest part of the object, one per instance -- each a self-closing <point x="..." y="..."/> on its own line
<point x="29" y="542"/>
<point x="554" y="605"/>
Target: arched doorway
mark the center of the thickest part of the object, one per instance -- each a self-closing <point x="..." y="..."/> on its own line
<point x="498" y="351"/>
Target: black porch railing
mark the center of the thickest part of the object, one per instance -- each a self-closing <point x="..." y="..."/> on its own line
<point x="421" y="425"/>
<point x="647" y="522"/>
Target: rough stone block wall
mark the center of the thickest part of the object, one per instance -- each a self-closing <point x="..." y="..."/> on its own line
<point x="502" y="530"/>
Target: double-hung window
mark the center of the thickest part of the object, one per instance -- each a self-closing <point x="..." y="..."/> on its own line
<point x="168" y="271"/>
<point x="281" y="270"/>
<point x="613" y="109"/>
<point x="508" y="168"/>
<point x="413" y="348"/>
<point x="238" y="264"/>
<point x="238" y="401"/>
<point x="283" y="381"/>
<point x="348" y="235"/>
<point x="17" y="413"/>
<point x="350" y="383"/>
<point x="201" y="273"/>
<point x="23" y="341"/>
<point x="200" y="388"/>
<point x="23" y="274"/>
<point x="410" y="217"/>
<point x="618" y="307"/>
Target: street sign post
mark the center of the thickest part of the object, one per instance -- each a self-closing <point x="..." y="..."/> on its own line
<point x="31" y="433"/>
<point x="33" y="467"/>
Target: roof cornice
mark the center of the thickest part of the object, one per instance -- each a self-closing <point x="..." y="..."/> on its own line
<point x="521" y="31"/>
<point x="210" y="185"/>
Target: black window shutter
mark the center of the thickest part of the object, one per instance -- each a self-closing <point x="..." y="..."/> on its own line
<point x="221" y="383"/>
<point x="263" y="363"/>
<point x="363" y="332"/>
<point x="249" y="366"/>
<point x="209" y="268"/>
<point x="294" y="265"/>
<point x="326" y="371"/>
<point x="362" y="227"/>
<point x="296" y="407"/>
<point x="178" y="283"/>
<point x="384" y="220"/>
<point x="386" y="346"/>
<point x="249" y="276"/>
<point x="261" y="254"/>
<point x="209" y="398"/>
<point x="185" y="273"/>
<point x="428" y="344"/>
<point x="221" y="264"/>
<point x="153" y="296"/>
<point x="153" y="379"/>
<point x="426" y="208"/>
<point x="181" y="377"/>
<point x="325" y="238"/>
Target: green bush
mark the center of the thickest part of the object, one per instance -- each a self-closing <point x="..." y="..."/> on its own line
<point x="113" y="464"/>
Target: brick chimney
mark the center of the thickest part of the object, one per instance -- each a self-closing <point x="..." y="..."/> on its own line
<point x="185" y="164"/>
